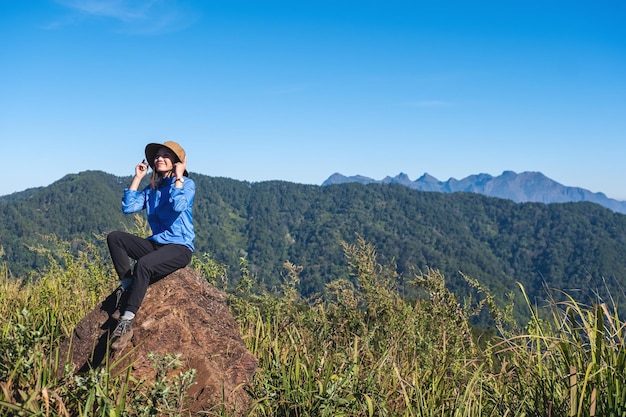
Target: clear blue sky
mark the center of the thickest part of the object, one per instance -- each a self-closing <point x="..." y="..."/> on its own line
<point x="299" y="90"/>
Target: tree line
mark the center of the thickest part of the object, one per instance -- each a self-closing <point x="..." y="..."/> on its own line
<point x="575" y="247"/>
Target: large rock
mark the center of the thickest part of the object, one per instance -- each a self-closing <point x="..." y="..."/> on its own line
<point x="181" y="314"/>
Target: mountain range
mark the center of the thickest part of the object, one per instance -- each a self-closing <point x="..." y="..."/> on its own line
<point x="575" y="246"/>
<point x="521" y="188"/>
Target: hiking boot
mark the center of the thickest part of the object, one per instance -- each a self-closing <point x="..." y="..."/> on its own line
<point x="122" y="334"/>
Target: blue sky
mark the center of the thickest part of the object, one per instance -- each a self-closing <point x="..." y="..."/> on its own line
<point x="299" y="90"/>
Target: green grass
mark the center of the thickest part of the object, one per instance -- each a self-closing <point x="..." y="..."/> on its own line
<point x="363" y="350"/>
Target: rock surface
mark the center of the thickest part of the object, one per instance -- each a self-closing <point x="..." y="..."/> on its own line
<point x="181" y="314"/>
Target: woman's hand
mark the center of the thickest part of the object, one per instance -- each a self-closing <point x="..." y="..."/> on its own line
<point x="141" y="169"/>
<point x="180" y="167"/>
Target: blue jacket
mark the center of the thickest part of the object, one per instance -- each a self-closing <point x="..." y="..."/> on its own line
<point x="168" y="209"/>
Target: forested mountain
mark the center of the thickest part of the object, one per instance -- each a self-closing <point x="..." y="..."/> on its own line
<point x="570" y="246"/>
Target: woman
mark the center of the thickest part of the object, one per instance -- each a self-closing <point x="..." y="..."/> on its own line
<point x="168" y="201"/>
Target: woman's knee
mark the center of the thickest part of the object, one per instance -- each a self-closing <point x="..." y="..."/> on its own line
<point x="114" y="236"/>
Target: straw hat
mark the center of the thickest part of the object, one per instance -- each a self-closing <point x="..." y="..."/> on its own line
<point x="173" y="147"/>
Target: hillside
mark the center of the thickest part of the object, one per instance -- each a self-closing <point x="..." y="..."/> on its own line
<point x="578" y="247"/>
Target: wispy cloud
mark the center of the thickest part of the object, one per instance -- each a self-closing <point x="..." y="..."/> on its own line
<point x="125" y="11"/>
<point x="133" y="16"/>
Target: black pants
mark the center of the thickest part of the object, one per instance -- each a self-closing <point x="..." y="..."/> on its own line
<point x="154" y="261"/>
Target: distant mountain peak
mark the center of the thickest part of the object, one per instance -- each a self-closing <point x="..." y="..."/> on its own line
<point x="402" y="176"/>
<point x="427" y="177"/>
<point x="524" y="187"/>
<point x="338" y="178"/>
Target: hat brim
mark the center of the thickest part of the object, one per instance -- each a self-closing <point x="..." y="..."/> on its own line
<point x="153" y="148"/>
<point x="151" y="151"/>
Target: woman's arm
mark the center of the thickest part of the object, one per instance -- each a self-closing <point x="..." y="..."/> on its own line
<point x="140" y="171"/>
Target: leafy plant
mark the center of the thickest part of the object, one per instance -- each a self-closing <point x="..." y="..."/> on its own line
<point x="364" y="349"/>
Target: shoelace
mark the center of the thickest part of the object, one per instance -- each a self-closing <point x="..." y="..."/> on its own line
<point x="122" y="327"/>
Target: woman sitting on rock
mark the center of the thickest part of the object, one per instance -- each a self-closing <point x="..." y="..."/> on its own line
<point x="168" y="201"/>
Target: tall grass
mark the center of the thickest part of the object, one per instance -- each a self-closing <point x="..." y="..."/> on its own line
<point x="362" y="350"/>
<point x="573" y="363"/>
<point x="37" y="312"/>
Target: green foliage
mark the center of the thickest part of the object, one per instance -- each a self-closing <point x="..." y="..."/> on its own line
<point x="36" y="313"/>
<point x="75" y="207"/>
<point x="215" y="272"/>
<point x="366" y="351"/>
<point x="338" y="328"/>
<point x="167" y="395"/>
<point x="578" y="247"/>
<point x="571" y="365"/>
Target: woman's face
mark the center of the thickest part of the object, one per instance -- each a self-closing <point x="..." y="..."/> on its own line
<point x="163" y="161"/>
